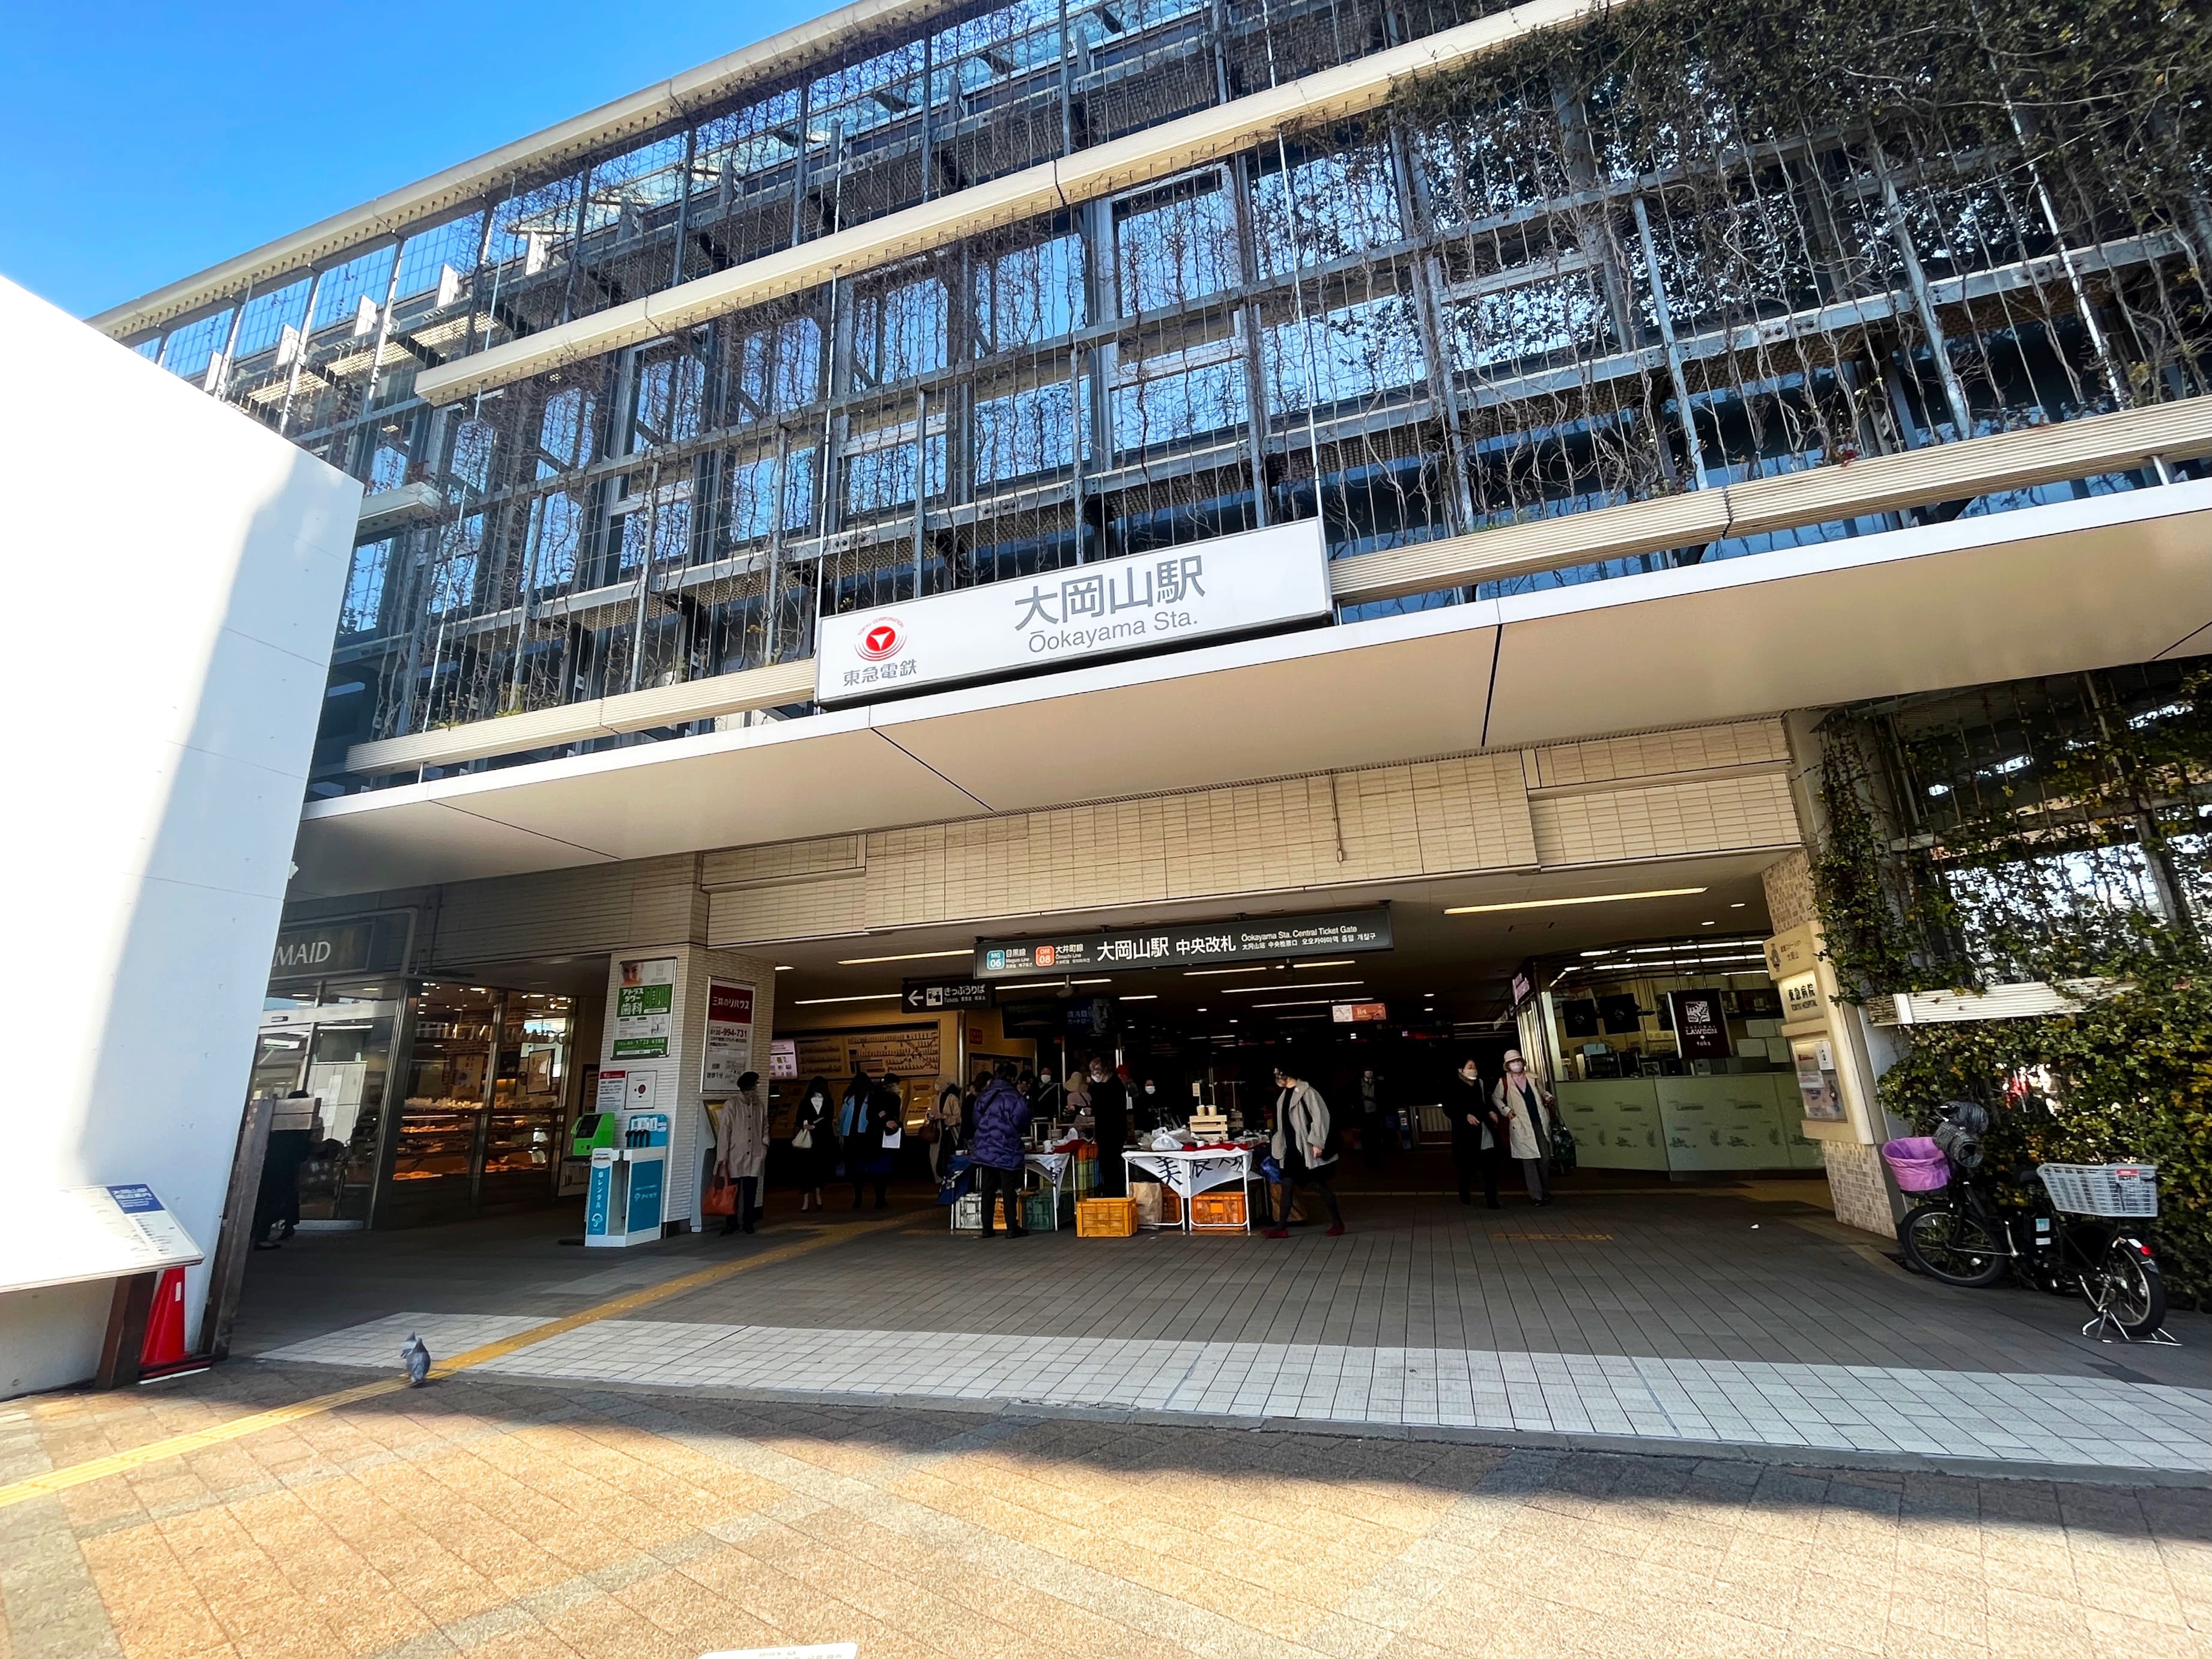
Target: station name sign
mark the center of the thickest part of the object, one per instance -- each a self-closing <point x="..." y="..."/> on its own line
<point x="1082" y="614"/>
<point x="1255" y="938"/>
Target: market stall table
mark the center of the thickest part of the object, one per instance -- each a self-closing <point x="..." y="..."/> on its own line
<point x="1195" y="1169"/>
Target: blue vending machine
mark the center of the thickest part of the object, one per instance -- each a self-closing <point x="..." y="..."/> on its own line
<point x="626" y="1197"/>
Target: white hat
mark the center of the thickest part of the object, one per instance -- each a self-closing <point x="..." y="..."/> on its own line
<point x="1512" y="1054"/>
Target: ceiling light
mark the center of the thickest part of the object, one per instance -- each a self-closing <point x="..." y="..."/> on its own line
<point x="1149" y="996"/>
<point x="1704" y="924"/>
<point x="1270" y="990"/>
<point x="784" y="967"/>
<point x="911" y="956"/>
<point x="1108" y="981"/>
<point x="1302" y="1002"/>
<point x="1205" y="973"/>
<point x="874" y="996"/>
<point x="1333" y="962"/>
<point x="1591" y="898"/>
<point x="1738" y="905"/>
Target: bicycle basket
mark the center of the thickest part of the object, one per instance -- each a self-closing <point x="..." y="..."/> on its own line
<point x="1918" y="1163"/>
<point x="2113" y="1189"/>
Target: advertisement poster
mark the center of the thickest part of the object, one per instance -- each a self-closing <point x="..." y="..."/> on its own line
<point x="645" y="1008"/>
<point x="783" y="1057"/>
<point x="1700" y="1025"/>
<point x="727" y="1052"/>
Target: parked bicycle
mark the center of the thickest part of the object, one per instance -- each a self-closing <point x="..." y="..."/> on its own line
<point x="2063" y="1228"/>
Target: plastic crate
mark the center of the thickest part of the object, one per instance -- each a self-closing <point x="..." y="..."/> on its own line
<point x="1105" y="1217"/>
<point x="967" y="1213"/>
<point x="1217" y="1211"/>
<point x="1039" y="1213"/>
<point x="2113" y="1189"/>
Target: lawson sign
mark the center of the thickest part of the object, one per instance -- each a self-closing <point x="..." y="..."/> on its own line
<point x="1082" y="614"/>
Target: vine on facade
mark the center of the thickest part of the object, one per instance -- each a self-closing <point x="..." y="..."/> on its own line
<point x="2058" y="831"/>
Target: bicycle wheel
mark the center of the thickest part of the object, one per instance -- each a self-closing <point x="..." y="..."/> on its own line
<point x="2128" y="1287"/>
<point x="1953" y="1246"/>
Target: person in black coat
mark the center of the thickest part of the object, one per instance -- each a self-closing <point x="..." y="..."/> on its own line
<point x="1109" y="1114"/>
<point x="887" y="1116"/>
<point x="816" y="1163"/>
<point x="1475" y="1137"/>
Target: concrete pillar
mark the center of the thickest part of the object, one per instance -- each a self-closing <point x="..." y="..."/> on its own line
<point x="671" y="1049"/>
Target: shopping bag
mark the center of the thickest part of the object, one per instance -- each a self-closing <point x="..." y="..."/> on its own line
<point x="804" y="1140"/>
<point x="721" y="1195"/>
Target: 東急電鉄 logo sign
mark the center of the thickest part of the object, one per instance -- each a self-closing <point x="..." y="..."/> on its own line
<point x="883" y="640"/>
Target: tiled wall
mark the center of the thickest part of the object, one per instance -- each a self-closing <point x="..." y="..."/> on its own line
<point x="1466" y="814"/>
<point x="1855" y="1183"/>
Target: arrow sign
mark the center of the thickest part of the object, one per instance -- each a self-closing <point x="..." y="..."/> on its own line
<point x="929" y="996"/>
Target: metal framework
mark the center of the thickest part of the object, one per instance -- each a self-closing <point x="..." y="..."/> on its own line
<point x="1610" y="265"/>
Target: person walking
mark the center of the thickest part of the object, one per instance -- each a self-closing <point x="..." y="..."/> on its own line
<point x="853" y="1130"/>
<point x="1109" y="1116"/>
<point x="814" y="1145"/>
<point x="1474" y="1124"/>
<point x="741" y="1150"/>
<point x="886" y="1129"/>
<point x="1370" y="1118"/>
<point x="1523" y="1108"/>
<point x="1002" y="1117"/>
<point x="1301" y="1148"/>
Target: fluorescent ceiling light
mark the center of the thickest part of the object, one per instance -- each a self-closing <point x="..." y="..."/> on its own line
<point x="1208" y="973"/>
<point x="1149" y="996"/>
<point x="916" y="956"/>
<point x="784" y="967"/>
<point x="1333" y="962"/>
<point x="1589" y="898"/>
<point x="1091" y="982"/>
<point x="1302" y="1002"/>
<point x="1269" y="990"/>
<point x="874" y="996"/>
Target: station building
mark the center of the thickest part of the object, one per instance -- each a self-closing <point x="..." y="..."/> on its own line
<point x="948" y="480"/>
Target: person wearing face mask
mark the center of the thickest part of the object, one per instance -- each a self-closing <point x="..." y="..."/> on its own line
<point x="1370" y="1118"/>
<point x="1474" y="1125"/>
<point x="816" y="1160"/>
<point x="1524" y="1107"/>
<point x="1144" y="1108"/>
<point x="1050" y="1100"/>
<point x="1109" y="1114"/>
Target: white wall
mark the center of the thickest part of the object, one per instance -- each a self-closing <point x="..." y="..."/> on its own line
<point x="173" y="573"/>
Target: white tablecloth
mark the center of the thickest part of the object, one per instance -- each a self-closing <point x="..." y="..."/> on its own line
<point x="1189" y="1173"/>
<point x="1053" y="1166"/>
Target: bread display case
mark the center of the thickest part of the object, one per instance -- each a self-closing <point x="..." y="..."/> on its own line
<point x="528" y="1116"/>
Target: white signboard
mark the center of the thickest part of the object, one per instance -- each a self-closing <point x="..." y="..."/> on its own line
<point x="1081" y="614"/>
<point x="79" y="1233"/>
<point x="645" y="1003"/>
<point x="727" y="1052"/>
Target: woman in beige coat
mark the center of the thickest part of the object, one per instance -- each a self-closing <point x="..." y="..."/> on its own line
<point x="1523" y="1111"/>
<point x="741" y="1149"/>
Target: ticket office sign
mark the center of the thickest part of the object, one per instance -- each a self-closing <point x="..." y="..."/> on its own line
<point x="1248" y="938"/>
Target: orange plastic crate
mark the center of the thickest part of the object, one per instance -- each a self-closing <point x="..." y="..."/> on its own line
<point x="1105" y="1217"/>
<point x="1218" y="1210"/>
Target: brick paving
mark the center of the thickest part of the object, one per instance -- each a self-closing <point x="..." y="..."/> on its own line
<point x="490" y="1517"/>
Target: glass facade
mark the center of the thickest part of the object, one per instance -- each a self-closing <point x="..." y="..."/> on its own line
<point x="1601" y="266"/>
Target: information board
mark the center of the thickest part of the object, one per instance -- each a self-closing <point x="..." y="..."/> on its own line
<point x="69" y="1236"/>
<point x="1183" y="944"/>
<point x="908" y="1051"/>
<point x="645" y="1004"/>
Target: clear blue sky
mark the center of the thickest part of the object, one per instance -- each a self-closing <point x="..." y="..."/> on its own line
<point x="145" y="142"/>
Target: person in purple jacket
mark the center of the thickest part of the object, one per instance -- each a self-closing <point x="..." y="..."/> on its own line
<point x="1002" y="1116"/>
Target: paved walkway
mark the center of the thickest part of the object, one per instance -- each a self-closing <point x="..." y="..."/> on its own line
<point x="515" y="1521"/>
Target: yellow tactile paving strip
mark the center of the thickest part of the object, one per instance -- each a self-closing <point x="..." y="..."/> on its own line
<point x="77" y="1475"/>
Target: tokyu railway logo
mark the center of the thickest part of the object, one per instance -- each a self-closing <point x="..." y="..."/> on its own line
<point x="882" y="640"/>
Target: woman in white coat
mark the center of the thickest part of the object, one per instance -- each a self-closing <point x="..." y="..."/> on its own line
<point x="1301" y="1148"/>
<point x="1522" y="1109"/>
<point x="741" y="1149"/>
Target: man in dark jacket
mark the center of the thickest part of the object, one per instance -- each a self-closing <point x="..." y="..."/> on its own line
<point x="1109" y="1114"/>
<point x="1473" y="1132"/>
<point x="1001" y="1117"/>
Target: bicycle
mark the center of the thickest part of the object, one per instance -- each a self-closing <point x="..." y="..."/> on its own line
<point x="2072" y="1236"/>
